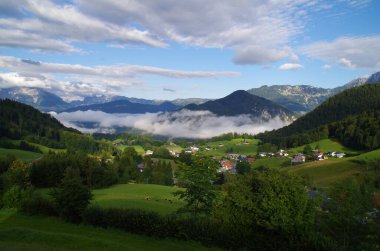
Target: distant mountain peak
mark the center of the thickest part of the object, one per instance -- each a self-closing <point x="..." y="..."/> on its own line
<point x="374" y="78"/>
<point x="241" y="102"/>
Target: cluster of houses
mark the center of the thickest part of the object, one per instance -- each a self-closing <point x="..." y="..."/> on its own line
<point x="228" y="164"/>
<point x="317" y="155"/>
<point x="280" y="153"/>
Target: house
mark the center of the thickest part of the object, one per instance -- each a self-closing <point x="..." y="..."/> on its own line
<point x="208" y="148"/>
<point x="242" y="158"/>
<point x="340" y="155"/>
<point x="298" y="158"/>
<point x="319" y="156"/>
<point x="226" y="165"/>
<point x="194" y="149"/>
<point x="188" y="150"/>
<point x="220" y="145"/>
<point x="173" y="153"/>
<point x="246" y="143"/>
<point x="140" y="167"/>
<point x="282" y="153"/>
<point x="234" y="156"/>
<point x="251" y="159"/>
<point x="331" y="153"/>
<point x="149" y="152"/>
<point x="262" y="154"/>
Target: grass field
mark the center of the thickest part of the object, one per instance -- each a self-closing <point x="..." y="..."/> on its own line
<point x="328" y="172"/>
<point x="20" y="154"/>
<point x="272" y="162"/>
<point x="219" y="148"/>
<point x="370" y="156"/>
<point x="145" y="196"/>
<point x="19" y="232"/>
<point x="139" y="149"/>
<point x="325" y="145"/>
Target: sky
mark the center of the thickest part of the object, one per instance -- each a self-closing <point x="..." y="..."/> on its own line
<point x="172" y="49"/>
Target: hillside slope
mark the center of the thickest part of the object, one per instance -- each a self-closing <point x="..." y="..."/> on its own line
<point x="354" y="108"/>
<point x="241" y="102"/>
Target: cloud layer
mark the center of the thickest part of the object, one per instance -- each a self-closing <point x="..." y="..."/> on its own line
<point x="182" y="124"/>
<point x="81" y="80"/>
<point x="349" y="52"/>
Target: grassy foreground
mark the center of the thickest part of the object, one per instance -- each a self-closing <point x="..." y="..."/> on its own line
<point x="21" y="232"/>
<point x="143" y="196"/>
<point x="20" y="154"/>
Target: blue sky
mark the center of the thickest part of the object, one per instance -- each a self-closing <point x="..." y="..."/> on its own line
<point x="171" y="49"/>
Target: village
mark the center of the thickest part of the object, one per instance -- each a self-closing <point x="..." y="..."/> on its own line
<point x="229" y="161"/>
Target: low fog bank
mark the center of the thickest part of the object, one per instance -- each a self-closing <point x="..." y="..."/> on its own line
<point x="180" y="124"/>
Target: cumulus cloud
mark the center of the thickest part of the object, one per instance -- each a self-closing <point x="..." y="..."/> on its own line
<point x="351" y="52"/>
<point x="56" y="26"/>
<point x="290" y="67"/>
<point x="181" y="124"/>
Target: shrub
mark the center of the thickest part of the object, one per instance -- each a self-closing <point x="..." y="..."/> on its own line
<point x="38" y="205"/>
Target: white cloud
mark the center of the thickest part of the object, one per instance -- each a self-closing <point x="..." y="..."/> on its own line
<point x="351" y="52"/>
<point x="289" y="67"/>
<point x="326" y="67"/>
<point x="47" y="22"/>
<point x="347" y="63"/>
<point x="116" y="71"/>
<point x="258" y="55"/>
<point x="188" y="124"/>
<point x="76" y="80"/>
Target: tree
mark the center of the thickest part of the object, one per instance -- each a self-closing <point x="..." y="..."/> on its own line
<point x="268" y="200"/>
<point x="243" y="167"/>
<point x="71" y="197"/>
<point x="198" y="182"/>
<point x="349" y="219"/>
<point x="18" y="174"/>
<point x="307" y="150"/>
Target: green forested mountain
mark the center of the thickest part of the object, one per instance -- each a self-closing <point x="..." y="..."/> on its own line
<point x="342" y="115"/>
<point x="23" y="122"/>
<point x="241" y="102"/>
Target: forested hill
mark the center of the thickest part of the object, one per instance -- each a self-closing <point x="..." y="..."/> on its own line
<point x="23" y="122"/>
<point x="357" y="104"/>
<point x="241" y="102"/>
<point x="18" y="120"/>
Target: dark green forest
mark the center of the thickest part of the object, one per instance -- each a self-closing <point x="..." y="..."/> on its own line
<point x="351" y="116"/>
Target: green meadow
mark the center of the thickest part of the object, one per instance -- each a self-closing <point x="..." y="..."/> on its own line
<point x="20" y="154"/>
<point x="325" y="145"/>
<point x="143" y="196"/>
<point x="221" y="148"/>
<point x="19" y="232"/>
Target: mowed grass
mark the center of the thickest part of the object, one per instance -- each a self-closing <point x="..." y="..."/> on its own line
<point x="328" y="172"/>
<point x="20" y="154"/>
<point x="20" y="232"/>
<point x="369" y="156"/>
<point x="272" y="162"/>
<point x="325" y="145"/>
<point x="219" y="148"/>
<point x="139" y="149"/>
<point x="142" y="196"/>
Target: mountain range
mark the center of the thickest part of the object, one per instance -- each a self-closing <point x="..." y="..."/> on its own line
<point x="295" y="98"/>
<point x="125" y="106"/>
<point x="304" y="98"/>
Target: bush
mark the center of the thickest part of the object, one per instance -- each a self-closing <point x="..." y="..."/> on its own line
<point x="15" y="195"/>
<point x="38" y="205"/>
<point x="72" y="197"/>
